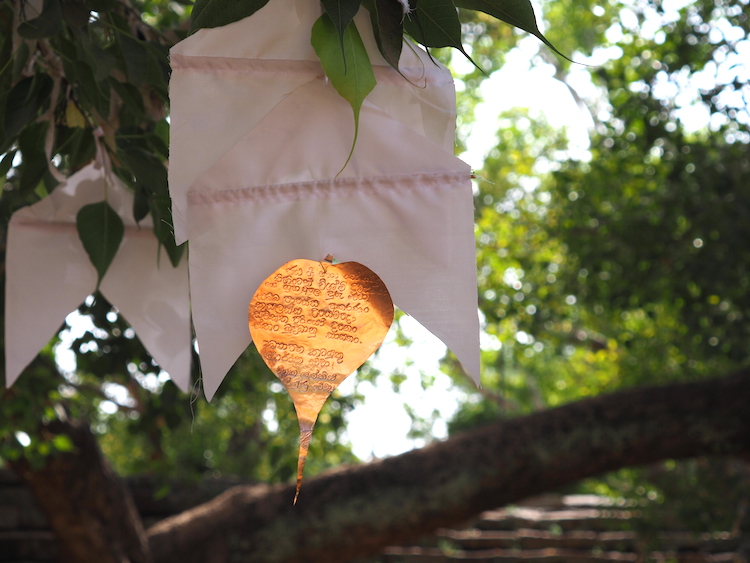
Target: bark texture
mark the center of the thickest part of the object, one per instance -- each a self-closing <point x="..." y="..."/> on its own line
<point x="87" y="505"/>
<point x="357" y="511"/>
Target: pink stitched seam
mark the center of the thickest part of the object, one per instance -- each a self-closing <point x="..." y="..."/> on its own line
<point x="328" y="188"/>
<point x="416" y="76"/>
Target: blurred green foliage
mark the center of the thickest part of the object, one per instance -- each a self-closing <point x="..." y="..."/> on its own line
<point x="628" y="264"/>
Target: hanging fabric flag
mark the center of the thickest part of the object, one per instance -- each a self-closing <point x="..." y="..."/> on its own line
<point x="49" y="274"/>
<point x="258" y="141"/>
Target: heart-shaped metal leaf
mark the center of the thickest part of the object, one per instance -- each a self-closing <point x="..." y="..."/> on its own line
<point x="314" y="324"/>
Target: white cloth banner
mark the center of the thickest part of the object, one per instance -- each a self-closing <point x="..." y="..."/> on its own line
<point x="258" y="139"/>
<point x="49" y="274"/>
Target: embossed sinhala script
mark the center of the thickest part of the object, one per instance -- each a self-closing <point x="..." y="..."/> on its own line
<point x="315" y="322"/>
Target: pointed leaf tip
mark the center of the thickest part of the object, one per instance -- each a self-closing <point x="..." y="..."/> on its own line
<point x="435" y="23"/>
<point x="387" y="18"/>
<point x="518" y="13"/>
<point x="216" y="13"/>
<point x="342" y="13"/>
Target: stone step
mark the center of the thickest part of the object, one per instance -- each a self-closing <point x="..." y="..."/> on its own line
<point x="597" y="519"/>
<point x="434" y="555"/>
<point x="549" y="555"/>
<point x="526" y="538"/>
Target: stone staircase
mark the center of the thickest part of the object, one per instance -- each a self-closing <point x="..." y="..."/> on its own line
<point x="568" y="529"/>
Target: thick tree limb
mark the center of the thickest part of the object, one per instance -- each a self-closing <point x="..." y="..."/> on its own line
<point x="86" y="503"/>
<point x="358" y="511"/>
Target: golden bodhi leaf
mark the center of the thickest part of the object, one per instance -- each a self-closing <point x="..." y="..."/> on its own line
<point x="314" y="324"/>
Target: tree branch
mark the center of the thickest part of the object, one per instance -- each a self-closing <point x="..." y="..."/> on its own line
<point x="357" y="511"/>
<point x="87" y="505"/>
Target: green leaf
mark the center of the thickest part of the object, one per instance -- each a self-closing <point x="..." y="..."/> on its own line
<point x="161" y="131"/>
<point x="136" y="59"/>
<point x="158" y="70"/>
<point x="341" y="12"/>
<point x="119" y="21"/>
<point x="215" y="13"/>
<point x="387" y="17"/>
<point x="146" y="168"/>
<point x="161" y="211"/>
<point x="76" y="13"/>
<point x="131" y="137"/>
<point x="87" y="49"/>
<point x="156" y="144"/>
<point x="435" y="23"/>
<point x="140" y="203"/>
<point x="34" y="161"/>
<point x="79" y="145"/>
<point x="20" y="59"/>
<point x="90" y="93"/>
<point x="23" y="104"/>
<point x="137" y="155"/>
<point x="101" y="5"/>
<point x="129" y="94"/>
<point x="100" y="230"/>
<point x="6" y="68"/>
<point x="104" y="63"/>
<point x="353" y="81"/>
<point x="518" y="13"/>
<point x="46" y="24"/>
<point x="50" y="182"/>
<point x="41" y="190"/>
